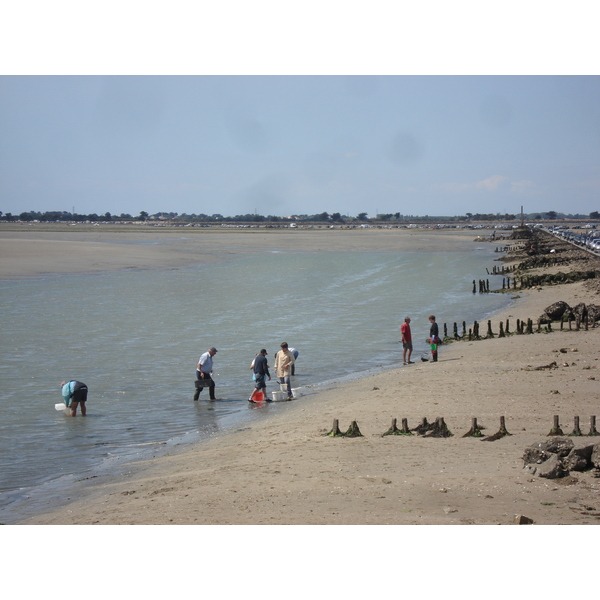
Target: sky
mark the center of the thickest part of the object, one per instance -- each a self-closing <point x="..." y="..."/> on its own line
<point x="97" y="138"/>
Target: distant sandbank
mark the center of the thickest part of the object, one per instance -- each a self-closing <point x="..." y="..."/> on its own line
<point x="35" y="250"/>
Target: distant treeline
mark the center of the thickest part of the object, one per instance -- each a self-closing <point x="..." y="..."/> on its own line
<point x="58" y="216"/>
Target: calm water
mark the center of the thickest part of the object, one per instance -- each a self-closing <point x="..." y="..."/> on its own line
<point x="135" y="337"/>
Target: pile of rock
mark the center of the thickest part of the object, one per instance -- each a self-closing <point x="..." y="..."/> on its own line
<point x="561" y="311"/>
<point x="558" y="456"/>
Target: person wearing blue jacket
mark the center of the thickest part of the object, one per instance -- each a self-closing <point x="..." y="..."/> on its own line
<point x="74" y="393"/>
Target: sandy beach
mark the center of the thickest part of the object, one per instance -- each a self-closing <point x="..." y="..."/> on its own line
<point x="286" y="470"/>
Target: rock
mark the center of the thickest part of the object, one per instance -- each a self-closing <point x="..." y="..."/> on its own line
<point x="593" y="313"/>
<point x="555" y="311"/>
<point x="595" y="457"/>
<point x="552" y="468"/>
<point x="539" y="453"/>
<point x="579" y="459"/>
<point x="521" y="520"/>
<point x="580" y="311"/>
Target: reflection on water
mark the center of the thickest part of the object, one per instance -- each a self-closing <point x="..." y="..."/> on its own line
<point x="135" y="337"/>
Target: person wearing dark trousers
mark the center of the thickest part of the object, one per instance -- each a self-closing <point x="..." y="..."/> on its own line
<point x="203" y="374"/>
<point x="261" y="370"/>
<point x="434" y="338"/>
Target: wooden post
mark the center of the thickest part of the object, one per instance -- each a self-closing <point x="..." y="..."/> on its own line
<point x="593" y="426"/>
<point x="474" y="289"/>
<point x="499" y="434"/>
<point x="423" y="427"/>
<point x="392" y="430"/>
<point x="475" y="431"/>
<point x="464" y="332"/>
<point x="440" y="429"/>
<point x="455" y="331"/>
<point x="490" y="333"/>
<point x="576" y="431"/>
<point x="335" y="430"/>
<point x="353" y="430"/>
<point x="501" y="334"/>
<point x="507" y="331"/>
<point x="556" y="430"/>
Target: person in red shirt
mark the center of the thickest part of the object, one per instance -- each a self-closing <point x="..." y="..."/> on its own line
<point x="406" y="341"/>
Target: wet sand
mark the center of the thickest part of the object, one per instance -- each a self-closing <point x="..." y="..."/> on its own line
<point x="37" y="250"/>
<point x="285" y="470"/>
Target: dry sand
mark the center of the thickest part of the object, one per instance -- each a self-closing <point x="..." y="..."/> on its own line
<point x="285" y="470"/>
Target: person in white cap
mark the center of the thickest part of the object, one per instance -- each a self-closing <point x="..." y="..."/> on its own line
<point x="203" y="371"/>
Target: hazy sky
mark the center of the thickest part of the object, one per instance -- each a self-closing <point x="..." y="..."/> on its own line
<point x="280" y="145"/>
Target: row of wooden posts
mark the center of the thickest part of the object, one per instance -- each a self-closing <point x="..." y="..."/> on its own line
<point x="483" y="285"/>
<point x="522" y="328"/>
<point x="439" y="429"/>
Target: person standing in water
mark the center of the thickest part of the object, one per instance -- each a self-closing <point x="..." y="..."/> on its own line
<point x="284" y="361"/>
<point x="203" y="374"/>
<point x="74" y="393"/>
<point x="261" y="370"/>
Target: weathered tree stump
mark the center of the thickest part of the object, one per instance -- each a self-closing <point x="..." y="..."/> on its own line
<point x="501" y="334"/>
<point x="506" y="328"/>
<point x="353" y="430"/>
<point x="556" y="430"/>
<point x="593" y="426"/>
<point x="335" y="430"/>
<point x="490" y="333"/>
<point x="576" y="431"/>
<point x="475" y="430"/>
<point x="464" y="331"/>
<point x="499" y="434"/>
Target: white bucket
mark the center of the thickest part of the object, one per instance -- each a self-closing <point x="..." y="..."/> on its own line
<point x="279" y="396"/>
<point x="62" y="407"/>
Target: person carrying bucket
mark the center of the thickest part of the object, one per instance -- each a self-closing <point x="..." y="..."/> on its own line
<point x="261" y="370"/>
<point x="74" y="393"/>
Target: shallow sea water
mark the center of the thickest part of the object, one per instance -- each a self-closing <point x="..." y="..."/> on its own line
<point x="134" y="337"/>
